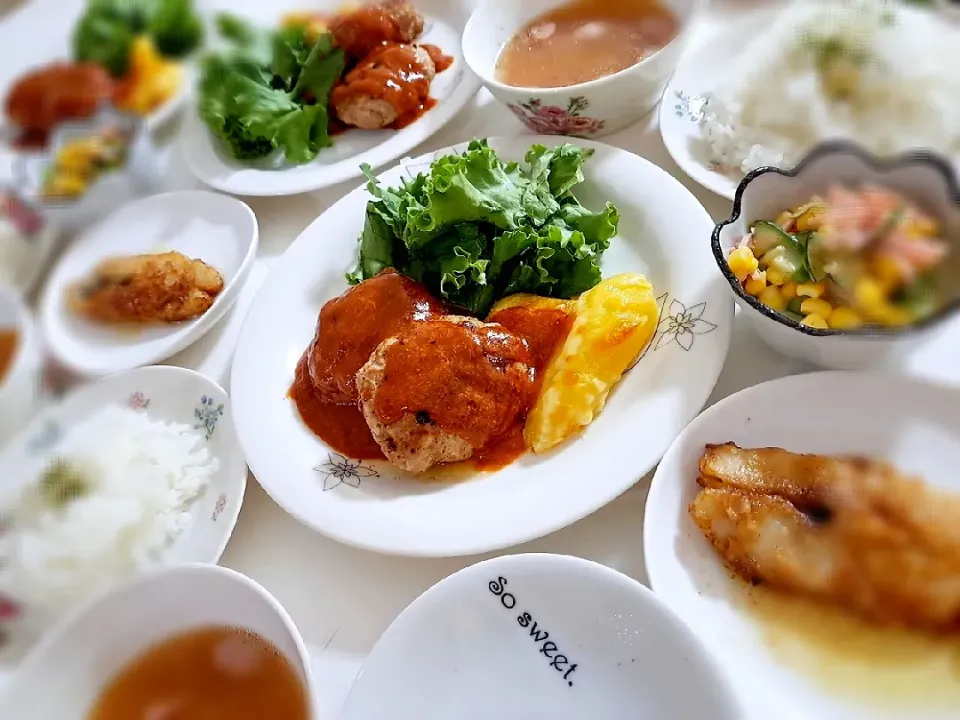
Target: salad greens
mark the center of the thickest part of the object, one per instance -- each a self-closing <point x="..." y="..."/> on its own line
<point x="476" y="229"/>
<point x="268" y="91"/>
<point x="107" y="29"/>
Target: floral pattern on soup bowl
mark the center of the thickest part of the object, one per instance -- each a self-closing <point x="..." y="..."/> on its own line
<point x="589" y="109"/>
<point x="163" y="393"/>
<point x="922" y="177"/>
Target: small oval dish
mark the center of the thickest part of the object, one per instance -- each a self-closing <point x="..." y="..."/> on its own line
<point x="67" y="498"/>
<point x="925" y="180"/>
<point x="73" y="186"/>
<point x="217" y="230"/>
<point x="589" y="110"/>
<point x="539" y="636"/>
<point x="64" y="674"/>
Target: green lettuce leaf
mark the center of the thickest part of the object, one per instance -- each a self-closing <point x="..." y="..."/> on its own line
<point x="475" y="229"/>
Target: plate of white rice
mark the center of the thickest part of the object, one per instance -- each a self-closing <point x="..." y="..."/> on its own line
<point x="137" y="471"/>
<point x="770" y="85"/>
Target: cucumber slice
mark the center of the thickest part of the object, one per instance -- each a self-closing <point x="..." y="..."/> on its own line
<point x="781" y="250"/>
<point x="768" y="235"/>
<point x="816" y="258"/>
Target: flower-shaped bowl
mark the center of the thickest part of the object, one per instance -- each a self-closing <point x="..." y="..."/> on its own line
<point x="924" y="178"/>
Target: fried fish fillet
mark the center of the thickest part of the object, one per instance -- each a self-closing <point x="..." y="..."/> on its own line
<point x="848" y="531"/>
<point x="162" y="288"/>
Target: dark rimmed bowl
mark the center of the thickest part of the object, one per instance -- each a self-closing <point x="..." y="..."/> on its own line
<point x="924" y="177"/>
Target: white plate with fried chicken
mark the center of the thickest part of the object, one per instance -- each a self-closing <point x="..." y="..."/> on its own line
<point x="527" y="324"/>
<point x="808" y="529"/>
<point x="148" y="281"/>
<point x="381" y="78"/>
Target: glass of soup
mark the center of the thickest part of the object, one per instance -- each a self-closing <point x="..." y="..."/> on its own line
<point x="582" y="68"/>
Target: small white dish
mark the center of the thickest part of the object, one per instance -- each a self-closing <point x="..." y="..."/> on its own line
<point x="62" y="677"/>
<point x="452" y="89"/>
<point x="20" y="385"/>
<point x="591" y="109"/>
<point x="27" y="241"/>
<point x="164" y="393"/>
<point x="138" y="176"/>
<point x="924" y="178"/>
<point x="539" y="636"/>
<point x="663" y="233"/>
<point x="220" y="230"/>
<point x="912" y="424"/>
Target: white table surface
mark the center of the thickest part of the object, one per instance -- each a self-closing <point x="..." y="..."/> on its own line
<point x="342" y="599"/>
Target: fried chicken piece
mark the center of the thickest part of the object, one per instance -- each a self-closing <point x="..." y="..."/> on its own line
<point x="848" y="531"/>
<point x="162" y="288"/>
<point x="362" y="30"/>
<point x="443" y="389"/>
<point x="50" y="95"/>
<point x="391" y="83"/>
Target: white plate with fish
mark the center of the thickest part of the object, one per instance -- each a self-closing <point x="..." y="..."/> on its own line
<point x="139" y="470"/>
<point x="547" y="636"/>
<point x="279" y="159"/>
<point x="148" y="281"/>
<point x="660" y="299"/>
<point x="866" y="529"/>
<point x="725" y="113"/>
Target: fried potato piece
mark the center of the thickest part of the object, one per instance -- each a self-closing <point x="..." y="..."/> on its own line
<point x="162" y="288"/>
<point x="848" y="531"/>
<point x="614" y="322"/>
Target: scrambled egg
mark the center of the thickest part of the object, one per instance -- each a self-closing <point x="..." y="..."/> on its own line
<point x="151" y="80"/>
<point x="614" y="322"/>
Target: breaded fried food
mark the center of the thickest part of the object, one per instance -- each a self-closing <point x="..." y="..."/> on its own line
<point x="162" y="288"/>
<point x="849" y="531"/>
<point x="360" y="31"/>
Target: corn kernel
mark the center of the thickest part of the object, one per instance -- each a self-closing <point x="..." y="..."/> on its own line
<point x="742" y="262"/>
<point x="816" y="306"/>
<point x="868" y="293"/>
<point x="811" y="219"/>
<point x="772" y="298"/>
<point x="924" y="226"/>
<point x="756" y="283"/>
<point x="813" y="290"/>
<point x="844" y="318"/>
<point x="886" y="271"/>
<point x="789" y="290"/>
<point x="776" y="277"/>
<point x="815" y="321"/>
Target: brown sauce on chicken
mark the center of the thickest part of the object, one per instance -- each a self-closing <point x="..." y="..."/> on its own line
<point x="350" y="328"/>
<point x="45" y="97"/>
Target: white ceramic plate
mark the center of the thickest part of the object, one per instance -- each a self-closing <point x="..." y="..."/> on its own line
<point x="682" y="105"/>
<point x="664" y="232"/>
<point x="539" y="636"/>
<point x="913" y="424"/>
<point x="164" y="393"/>
<point x="453" y="89"/>
<point x="220" y="230"/>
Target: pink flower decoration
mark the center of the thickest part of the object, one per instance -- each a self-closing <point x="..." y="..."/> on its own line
<point x="556" y="120"/>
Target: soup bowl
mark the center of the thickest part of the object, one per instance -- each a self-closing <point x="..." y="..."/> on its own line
<point x="19" y="383"/>
<point x="923" y="178"/>
<point x="64" y="675"/>
<point x="588" y="109"/>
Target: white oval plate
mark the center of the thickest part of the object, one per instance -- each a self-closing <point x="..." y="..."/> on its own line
<point x="165" y="393"/>
<point x="452" y="89"/>
<point x="539" y="636"/>
<point x="913" y="424"/>
<point x="220" y="230"/>
<point x="664" y="233"/>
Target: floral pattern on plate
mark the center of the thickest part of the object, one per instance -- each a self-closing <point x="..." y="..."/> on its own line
<point x="679" y="324"/>
<point x="219" y="507"/>
<point x="138" y="401"/>
<point x="207" y="416"/>
<point x="340" y="470"/>
<point x="556" y="120"/>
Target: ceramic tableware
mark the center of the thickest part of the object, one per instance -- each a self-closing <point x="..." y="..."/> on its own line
<point x="774" y="656"/>
<point x="20" y="385"/>
<point x="220" y="230"/>
<point x="663" y="233"/>
<point x="539" y="636"/>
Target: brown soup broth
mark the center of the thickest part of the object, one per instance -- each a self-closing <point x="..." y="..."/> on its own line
<point x="584" y="40"/>
<point x="8" y="350"/>
<point x="206" y="674"/>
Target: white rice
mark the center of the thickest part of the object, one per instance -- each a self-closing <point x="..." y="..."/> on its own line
<point x="145" y="474"/>
<point x="770" y="110"/>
